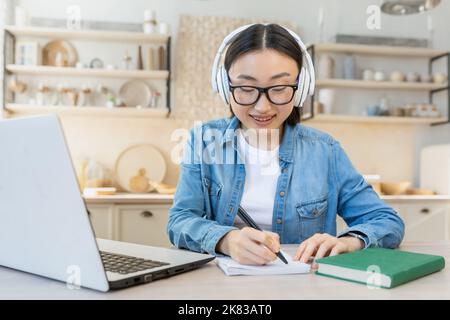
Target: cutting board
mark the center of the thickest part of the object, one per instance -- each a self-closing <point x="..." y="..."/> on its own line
<point x="137" y="165"/>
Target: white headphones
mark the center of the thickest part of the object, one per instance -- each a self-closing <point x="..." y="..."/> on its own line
<point x="220" y="81"/>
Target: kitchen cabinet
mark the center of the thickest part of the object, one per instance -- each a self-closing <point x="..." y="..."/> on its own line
<point x="135" y="223"/>
<point x="425" y="220"/>
<point x="142" y="218"/>
<point x="102" y="218"/>
<point x="142" y="224"/>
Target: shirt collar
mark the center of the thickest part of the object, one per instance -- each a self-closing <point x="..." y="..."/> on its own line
<point x="286" y="147"/>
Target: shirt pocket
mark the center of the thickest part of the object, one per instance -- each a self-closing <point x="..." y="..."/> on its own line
<point x="312" y="215"/>
<point x="213" y="189"/>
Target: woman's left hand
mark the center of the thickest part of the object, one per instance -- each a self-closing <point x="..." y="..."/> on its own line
<point x="322" y="245"/>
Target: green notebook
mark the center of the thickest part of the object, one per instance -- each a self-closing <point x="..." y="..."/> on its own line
<point x="380" y="267"/>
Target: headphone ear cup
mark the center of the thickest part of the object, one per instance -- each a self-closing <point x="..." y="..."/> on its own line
<point x="300" y="89"/>
<point x="306" y="85"/>
<point x="297" y="97"/>
<point x="225" y="85"/>
<point x="220" y="84"/>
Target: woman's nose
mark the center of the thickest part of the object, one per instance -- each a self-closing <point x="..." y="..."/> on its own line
<point x="263" y="104"/>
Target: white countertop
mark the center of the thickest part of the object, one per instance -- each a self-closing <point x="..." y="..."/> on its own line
<point x="416" y="198"/>
<point x="131" y="198"/>
<point x="164" y="198"/>
<point x="209" y="282"/>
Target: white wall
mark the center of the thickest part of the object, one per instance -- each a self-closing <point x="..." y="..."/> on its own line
<point x="341" y="16"/>
<point x="344" y="16"/>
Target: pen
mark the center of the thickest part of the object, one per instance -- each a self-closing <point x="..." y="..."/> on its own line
<point x="251" y="223"/>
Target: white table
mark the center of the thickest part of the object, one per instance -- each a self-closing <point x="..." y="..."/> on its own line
<point x="209" y="282"/>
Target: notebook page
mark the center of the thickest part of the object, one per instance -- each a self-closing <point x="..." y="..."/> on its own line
<point x="233" y="268"/>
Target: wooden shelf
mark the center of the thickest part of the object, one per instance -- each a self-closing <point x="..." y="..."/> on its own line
<point x="376" y="119"/>
<point x="19" y="109"/>
<point x="392" y="51"/>
<point x="378" y="85"/>
<point x="92" y="35"/>
<point x="85" y="72"/>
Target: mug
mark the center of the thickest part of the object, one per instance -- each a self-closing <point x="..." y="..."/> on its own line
<point x="80" y="65"/>
<point x="368" y="75"/>
<point x="379" y="76"/>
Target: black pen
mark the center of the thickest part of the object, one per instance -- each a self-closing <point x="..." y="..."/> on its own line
<point x="251" y="223"/>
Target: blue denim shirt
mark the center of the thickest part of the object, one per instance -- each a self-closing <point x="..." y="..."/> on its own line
<point x="317" y="182"/>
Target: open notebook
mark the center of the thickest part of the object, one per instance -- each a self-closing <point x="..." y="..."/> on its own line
<point x="233" y="268"/>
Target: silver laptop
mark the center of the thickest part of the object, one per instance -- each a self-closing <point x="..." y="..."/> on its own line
<point x="44" y="224"/>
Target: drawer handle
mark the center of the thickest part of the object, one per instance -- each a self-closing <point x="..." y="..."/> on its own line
<point x="146" y="214"/>
<point x="425" y="211"/>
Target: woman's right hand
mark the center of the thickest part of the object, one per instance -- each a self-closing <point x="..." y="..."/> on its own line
<point x="250" y="246"/>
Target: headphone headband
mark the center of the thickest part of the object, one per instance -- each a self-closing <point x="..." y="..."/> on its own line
<point x="219" y="76"/>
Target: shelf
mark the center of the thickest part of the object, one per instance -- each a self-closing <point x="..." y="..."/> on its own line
<point x="93" y="35"/>
<point x="85" y="72"/>
<point x="393" y="51"/>
<point x="378" y="85"/>
<point x="376" y="119"/>
<point x="20" y="109"/>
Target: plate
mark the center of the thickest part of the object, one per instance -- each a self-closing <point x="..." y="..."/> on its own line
<point x="59" y="53"/>
<point x="135" y="158"/>
<point x="135" y="93"/>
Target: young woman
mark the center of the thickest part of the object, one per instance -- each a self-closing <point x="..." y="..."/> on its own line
<point x="291" y="179"/>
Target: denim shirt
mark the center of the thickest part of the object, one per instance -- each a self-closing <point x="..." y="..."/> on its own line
<point x="317" y="182"/>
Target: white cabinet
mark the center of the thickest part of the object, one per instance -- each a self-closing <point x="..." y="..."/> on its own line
<point x="425" y="220"/>
<point x="102" y="218"/>
<point x="142" y="224"/>
<point x="136" y="223"/>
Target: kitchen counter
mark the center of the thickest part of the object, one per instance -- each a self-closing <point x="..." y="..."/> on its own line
<point x="417" y="198"/>
<point x="209" y="282"/>
<point x="155" y="198"/>
<point x="131" y="198"/>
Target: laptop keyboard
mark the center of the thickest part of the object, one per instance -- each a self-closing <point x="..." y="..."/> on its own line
<point x="123" y="264"/>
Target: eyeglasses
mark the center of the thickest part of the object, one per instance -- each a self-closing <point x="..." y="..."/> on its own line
<point x="249" y="95"/>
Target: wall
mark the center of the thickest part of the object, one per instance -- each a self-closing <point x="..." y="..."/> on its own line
<point x="389" y="150"/>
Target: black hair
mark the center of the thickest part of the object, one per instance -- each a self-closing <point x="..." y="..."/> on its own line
<point x="271" y="36"/>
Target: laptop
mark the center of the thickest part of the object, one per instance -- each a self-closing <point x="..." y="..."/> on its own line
<point x="44" y="224"/>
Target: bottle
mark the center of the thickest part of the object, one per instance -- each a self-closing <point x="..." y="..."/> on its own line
<point x="161" y="58"/>
<point x="384" y="107"/>
<point x="349" y="67"/>
<point x="150" y="61"/>
<point x="140" y="64"/>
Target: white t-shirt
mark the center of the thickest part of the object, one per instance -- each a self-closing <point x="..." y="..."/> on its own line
<point x="262" y="170"/>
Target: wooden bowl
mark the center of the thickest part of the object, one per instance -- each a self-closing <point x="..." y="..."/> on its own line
<point x="394" y="188"/>
<point x="420" y="192"/>
<point x="163" y="188"/>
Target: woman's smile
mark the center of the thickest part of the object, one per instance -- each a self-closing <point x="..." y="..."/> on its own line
<point x="263" y="120"/>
